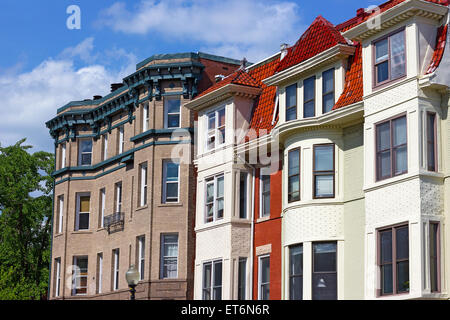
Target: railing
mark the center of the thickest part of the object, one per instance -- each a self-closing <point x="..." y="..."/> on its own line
<point x="114" y="222"/>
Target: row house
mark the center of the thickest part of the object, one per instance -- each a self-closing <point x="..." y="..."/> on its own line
<point x="323" y="170"/>
<point x="125" y="185"/>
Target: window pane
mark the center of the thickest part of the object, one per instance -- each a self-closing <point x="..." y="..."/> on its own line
<point x="296" y="288"/>
<point x="220" y="187"/>
<point x="397" y="55"/>
<point x="324" y="257"/>
<point x="383" y="72"/>
<point x="309" y="88"/>
<point x="172" y="171"/>
<point x="210" y="192"/>
<point x="386" y="279"/>
<point x="402" y="240"/>
<point x="401" y="160"/>
<point x="328" y="102"/>
<point x="173" y="106"/>
<point x="83" y="222"/>
<point x="294" y="188"/>
<point x="403" y="276"/>
<point x="207" y="268"/>
<point x="217" y="274"/>
<point x="211" y="121"/>
<point x="84" y="204"/>
<point x="323" y="158"/>
<point x="86" y="159"/>
<point x="220" y="208"/>
<point x="242" y="278"/>
<point x="296" y="260"/>
<point x="309" y="109"/>
<point x="173" y="120"/>
<point x="243" y="195"/>
<point x="221" y="136"/>
<point x="265" y="269"/>
<point x="324" y="286"/>
<point x="384" y="162"/>
<point x="431" y="141"/>
<point x="294" y="162"/>
<point x="399" y="131"/>
<point x="86" y="145"/>
<point x="328" y="81"/>
<point x="434" y="251"/>
<point x="324" y="186"/>
<point x="381" y="50"/>
<point x="172" y="190"/>
<point x="386" y="246"/>
<point x="383" y="136"/>
<point x="291" y="96"/>
<point x="291" y="114"/>
<point x="221" y="115"/>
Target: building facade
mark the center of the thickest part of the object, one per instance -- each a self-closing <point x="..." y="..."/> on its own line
<point x="125" y="184"/>
<point x="323" y="170"/>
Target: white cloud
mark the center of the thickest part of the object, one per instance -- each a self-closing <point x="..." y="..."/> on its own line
<point x="32" y="98"/>
<point x="253" y="28"/>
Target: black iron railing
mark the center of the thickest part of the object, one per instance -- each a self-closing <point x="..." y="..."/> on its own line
<point x="114" y="222"/>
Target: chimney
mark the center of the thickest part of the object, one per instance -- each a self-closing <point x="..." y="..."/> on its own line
<point x="219" y="77"/>
<point x="115" y="86"/>
<point x="97" y="97"/>
<point x="284" y="50"/>
<point x="360" y="12"/>
<point x="243" y="63"/>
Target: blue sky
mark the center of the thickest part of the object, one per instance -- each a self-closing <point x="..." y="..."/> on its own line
<point x="44" y="65"/>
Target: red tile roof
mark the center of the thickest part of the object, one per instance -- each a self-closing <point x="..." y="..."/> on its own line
<point x="261" y="121"/>
<point x="441" y="40"/>
<point x="320" y="36"/>
<point x="353" y="88"/>
<point x="360" y="18"/>
<point x="240" y="77"/>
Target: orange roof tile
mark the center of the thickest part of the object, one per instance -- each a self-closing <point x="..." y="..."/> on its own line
<point x="320" y="36"/>
<point x="441" y="39"/>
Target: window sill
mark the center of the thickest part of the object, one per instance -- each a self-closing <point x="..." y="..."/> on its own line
<point x="82" y="232"/>
<point x="263" y="219"/>
<point x="175" y="204"/>
<point x="101" y="229"/>
<point x="141" y="208"/>
<point x="57" y="235"/>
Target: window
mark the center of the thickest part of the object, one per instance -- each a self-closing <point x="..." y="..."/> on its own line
<point x="265" y="192"/>
<point x="105" y="146"/>
<point x="242" y="278"/>
<point x="431" y="142"/>
<point x="63" y="155"/>
<point x="145" y="118"/>
<point x="83" y="210"/>
<point x="141" y="256"/>
<point x="80" y="276"/>
<point x="121" y="141"/>
<point x="392" y="158"/>
<point x="214" y="198"/>
<point x="390" y="58"/>
<point x="264" y="278"/>
<point x="243" y="195"/>
<point x="393" y="260"/>
<point x="212" y="280"/>
<point x="324" y="277"/>
<point x="435" y="245"/>
<point x="143" y="185"/>
<point x="309" y="97"/>
<point x="118" y="196"/>
<point x="169" y="256"/>
<point x="323" y="171"/>
<point x="102" y="207"/>
<point x="57" y="277"/>
<point x="85" y="152"/>
<point x="216" y="129"/>
<point x="172" y="113"/>
<point x="60" y="214"/>
<point x="291" y="102"/>
<point x="327" y="91"/>
<point x="171" y="173"/>
<point x="294" y="175"/>
<point x="296" y="272"/>
<point x="116" y="269"/>
<point x="99" y="272"/>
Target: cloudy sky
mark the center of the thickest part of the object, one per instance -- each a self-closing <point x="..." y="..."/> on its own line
<point x="44" y="65"/>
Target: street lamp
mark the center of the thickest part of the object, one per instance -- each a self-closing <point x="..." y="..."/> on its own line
<point x="132" y="277"/>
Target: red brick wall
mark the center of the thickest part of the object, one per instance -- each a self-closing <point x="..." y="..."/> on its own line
<point x="213" y="68"/>
<point x="269" y="232"/>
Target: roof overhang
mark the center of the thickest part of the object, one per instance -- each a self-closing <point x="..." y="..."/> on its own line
<point x="331" y="55"/>
<point x="395" y="15"/>
<point x="221" y="94"/>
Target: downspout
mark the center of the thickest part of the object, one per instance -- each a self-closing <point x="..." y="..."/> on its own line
<point x="252" y="235"/>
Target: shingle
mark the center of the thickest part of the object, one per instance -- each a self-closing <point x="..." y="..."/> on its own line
<point x="441" y="39"/>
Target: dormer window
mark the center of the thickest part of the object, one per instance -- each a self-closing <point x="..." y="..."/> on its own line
<point x="327" y="91"/>
<point x="291" y="102"/>
<point x="390" y="58"/>
<point x="309" y="97"/>
<point x="216" y="128"/>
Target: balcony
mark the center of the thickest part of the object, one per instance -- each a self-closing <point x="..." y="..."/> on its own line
<point x="114" y="222"/>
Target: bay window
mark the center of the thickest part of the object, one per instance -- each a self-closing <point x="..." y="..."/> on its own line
<point x="323" y="171"/>
<point x="214" y="198"/>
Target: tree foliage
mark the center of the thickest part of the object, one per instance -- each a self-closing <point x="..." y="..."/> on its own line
<point x="25" y="221"/>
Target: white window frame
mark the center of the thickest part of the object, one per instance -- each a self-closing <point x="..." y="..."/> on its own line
<point x="260" y="273"/>
<point x="163" y="257"/>
<point x="58" y="277"/>
<point x="213" y="180"/>
<point x="166" y="113"/>
<point x="61" y="213"/>
<point x="165" y="182"/>
<point x="263" y="172"/>
<point x="119" y="195"/>
<point x="143" y="184"/>
<point x="145" y="118"/>
<point x="77" y="275"/>
<point x="212" y="287"/>
<point x="105" y="146"/>
<point x="63" y="155"/>
<point x="100" y="272"/>
<point x="215" y="132"/>
<point x="78" y="212"/>
<point x="102" y="206"/>
<point x="121" y="139"/>
<point x="141" y="257"/>
<point x="116" y="270"/>
<point x="80" y="152"/>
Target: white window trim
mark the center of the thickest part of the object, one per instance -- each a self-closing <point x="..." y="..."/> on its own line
<point x="163" y="256"/>
<point x="121" y="139"/>
<point x="63" y="155"/>
<point x="216" y="128"/>
<point x="165" y="182"/>
<point x="75" y="274"/>
<point x="61" y="213"/>
<point x="119" y="195"/>
<point x="141" y="256"/>
<point x="263" y="172"/>
<point x="80" y="153"/>
<point x="77" y="218"/>
<point x="58" y="277"/>
<point x="166" y="113"/>
<point x="103" y="206"/>
<point x="213" y="180"/>
<point x="116" y="270"/>
<point x="105" y="146"/>
<point x="259" y="273"/>
<point x="145" y="118"/>
<point x="211" y="288"/>
<point x="100" y="272"/>
<point x="143" y="191"/>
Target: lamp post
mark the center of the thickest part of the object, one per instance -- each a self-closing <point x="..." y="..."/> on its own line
<point x="132" y="277"/>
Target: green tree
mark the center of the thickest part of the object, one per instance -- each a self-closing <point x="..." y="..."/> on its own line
<point x="25" y="221"/>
